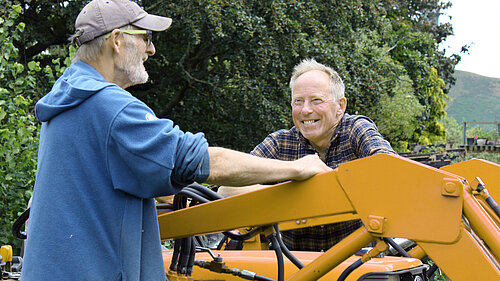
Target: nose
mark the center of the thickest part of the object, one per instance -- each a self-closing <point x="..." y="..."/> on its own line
<point x="307" y="107"/>
<point x="150" y="49"/>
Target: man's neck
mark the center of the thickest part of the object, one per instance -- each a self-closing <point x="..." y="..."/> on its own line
<point x="322" y="146"/>
<point x="105" y="65"/>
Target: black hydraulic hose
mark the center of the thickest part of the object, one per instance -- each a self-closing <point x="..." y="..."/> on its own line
<point x="189" y="269"/>
<point x="199" y="242"/>
<point x="350" y="269"/>
<point x="396" y="246"/>
<point x="175" y="254"/>
<point x="431" y="270"/>
<point x="493" y="204"/>
<point x="243" y="237"/>
<point x="279" y="256"/>
<point x="180" y="202"/>
<point x="285" y="250"/>
<point x="185" y="249"/>
<point x="16" y="227"/>
<point x="194" y="195"/>
<point x="201" y="192"/>
<point x="165" y="207"/>
<point x="207" y="191"/>
<point x="184" y="255"/>
<point x="221" y="242"/>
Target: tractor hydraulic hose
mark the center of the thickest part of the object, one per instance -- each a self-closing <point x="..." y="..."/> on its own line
<point x="431" y="270"/>
<point x="190" y="264"/>
<point x="396" y="246"/>
<point x="285" y="250"/>
<point x="184" y="255"/>
<point x="207" y="191"/>
<point x="194" y="195"/>
<point x="245" y="274"/>
<point x="279" y="256"/>
<point x="16" y="227"/>
<point x="175" y="254"/>
<point x="180" y="202"/>
<point x="199" y="242"/>
<point x="350" y="269"/>
<point x="493" y="204"/>
<point x="485" y="195"/>
<point x="245" y="236"/>
<point x="201" y="192"/>
<point x="222" y="242"/>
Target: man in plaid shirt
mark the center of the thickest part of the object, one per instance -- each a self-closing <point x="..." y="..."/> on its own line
<point x="321" y="127"/>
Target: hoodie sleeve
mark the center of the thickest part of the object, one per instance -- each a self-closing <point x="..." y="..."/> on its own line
<point x="150" y="157"/>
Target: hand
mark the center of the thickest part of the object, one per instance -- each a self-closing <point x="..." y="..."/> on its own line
<point x="308" y="166"/>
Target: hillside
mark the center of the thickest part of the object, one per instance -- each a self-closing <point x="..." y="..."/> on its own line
<point x="474" y="98"/>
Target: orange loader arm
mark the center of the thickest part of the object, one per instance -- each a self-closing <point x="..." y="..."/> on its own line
<point x="393" y="196"/>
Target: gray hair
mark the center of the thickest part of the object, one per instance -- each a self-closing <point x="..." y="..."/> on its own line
<point x="90" y="50"/>
<point x="337" y="87"/>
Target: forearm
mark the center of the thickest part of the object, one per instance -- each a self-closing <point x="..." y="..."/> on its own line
<point x="233" y="168"/>
<point x="227" y="191"/>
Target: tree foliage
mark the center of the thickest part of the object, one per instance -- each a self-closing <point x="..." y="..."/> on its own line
<point x="18" y="128"/>
<point x="228" y="64"/>
<point x="398" y="115"/>
<point x="224" y="66"/>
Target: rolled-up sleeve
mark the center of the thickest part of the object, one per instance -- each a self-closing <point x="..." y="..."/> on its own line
<point x="150" y="157"/>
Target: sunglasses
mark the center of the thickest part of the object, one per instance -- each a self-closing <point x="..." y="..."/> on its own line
<point x="148" y="38"/>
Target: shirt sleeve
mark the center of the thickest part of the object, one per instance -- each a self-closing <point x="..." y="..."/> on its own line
<point x="150" y="157"/>
<point x="367" y="140"/>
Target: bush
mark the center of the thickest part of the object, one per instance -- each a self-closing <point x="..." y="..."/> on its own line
<point x="18" y="129"/>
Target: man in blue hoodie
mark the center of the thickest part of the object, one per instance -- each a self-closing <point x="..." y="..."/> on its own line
<point x="104" y="156"/>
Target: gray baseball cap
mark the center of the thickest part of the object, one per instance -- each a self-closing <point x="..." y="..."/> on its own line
<point x="102" y="16"/>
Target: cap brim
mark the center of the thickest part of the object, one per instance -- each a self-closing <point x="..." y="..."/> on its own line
<point x="153" y="22"/>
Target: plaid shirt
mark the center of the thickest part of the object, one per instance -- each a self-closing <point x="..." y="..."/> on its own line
<point x="356" y="137"/>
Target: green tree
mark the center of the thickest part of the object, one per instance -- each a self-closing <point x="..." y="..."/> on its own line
<point x="18" y="128"/>
<point x="397" y="115"/>
<point x="229" y="64"/>
<point x="223" y="67"/>
<point x="454" y="132"/>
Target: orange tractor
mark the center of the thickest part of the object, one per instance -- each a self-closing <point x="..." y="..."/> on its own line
<point x="414" y="215"/>
<point x="416" y="219"/>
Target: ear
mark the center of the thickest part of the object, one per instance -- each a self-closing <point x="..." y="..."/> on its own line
<point x="342" y="105"/>
<point x="115" y="40"/>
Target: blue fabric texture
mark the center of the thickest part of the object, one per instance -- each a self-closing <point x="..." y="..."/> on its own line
<point x="103" y="157"/>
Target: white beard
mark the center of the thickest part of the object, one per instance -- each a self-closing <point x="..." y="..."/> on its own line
<point x="133" y="65"/>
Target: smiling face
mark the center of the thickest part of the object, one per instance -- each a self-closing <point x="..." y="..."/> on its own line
<point x="314" y="112"/>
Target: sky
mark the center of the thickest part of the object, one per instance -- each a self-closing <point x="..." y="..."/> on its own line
<point x="475" y="23"/>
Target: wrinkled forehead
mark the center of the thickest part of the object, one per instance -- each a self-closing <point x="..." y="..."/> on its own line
<point x="311" y="94"/>
<point x="312" y="79"/>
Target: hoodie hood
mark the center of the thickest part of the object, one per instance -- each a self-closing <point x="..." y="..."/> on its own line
<point x="79" y="82"/>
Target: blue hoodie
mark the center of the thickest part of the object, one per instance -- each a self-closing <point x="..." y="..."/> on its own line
<point x="103" y="156"/>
